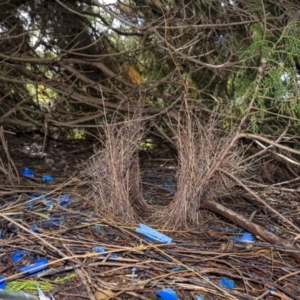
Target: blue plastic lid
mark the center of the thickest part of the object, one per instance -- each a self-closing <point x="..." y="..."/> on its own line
<point x="37" y="266"/>
<point x="167" y="294"/>
<point x="27" y="172"/>
<point x="47" y="178"/>
<point x="226" y="283"/>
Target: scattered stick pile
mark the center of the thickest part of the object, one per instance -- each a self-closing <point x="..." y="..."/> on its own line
<point x="95" y="254"/>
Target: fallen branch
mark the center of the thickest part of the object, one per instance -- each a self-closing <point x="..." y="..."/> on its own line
<point x="251" y="227"/>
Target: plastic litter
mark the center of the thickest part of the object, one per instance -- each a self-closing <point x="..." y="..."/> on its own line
<point x="198" y="297"/>
<point x="38" y="265"/>
<point x="52" y="222"/>
<point x="167" y="294"/>
<point x="34" y="227"/>
<point x="153" y="234"/>
<point x="19" y="254"/>
<point x="2" y="282"/>
<point x="49" y="204"/>
<point x="47" y="178"/>
<point x="245" y="238"/>
<point x="133" y="272"/>
<point x="30" y="205"/>
<point x="64" y="200"/>
<point x="226" y="283"/>
<point x="101" y="249"/>
<point x="27" y="173"/>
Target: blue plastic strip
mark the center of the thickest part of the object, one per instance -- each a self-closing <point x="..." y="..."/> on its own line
<point x="153" y="234"/>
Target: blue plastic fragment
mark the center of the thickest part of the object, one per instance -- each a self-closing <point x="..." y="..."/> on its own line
<point x="272" y="230"/>
<point x="52" y="222"/>
<point x="19" y="254"/>
<point x="30" y="205"/>
<point x="245" y="238"/>
<point x="167" y="294"/>
<point x="37" y="266"/>
<point x="226" y="283"/>
<point x="101" y="249"/>
<point x="27" y="173"/>
<point x="49" y="204"/>
<point x="2" y="283"/>
<point x="64" y="200"/>
<point x="34" y="228"/>
<point x="98" y="249"/>
<point x="47" y="178"/>
<point x="198" y="297"/>
<point x="133" y="272"/>
<point x="1" y="234"/>
<point x="153" y="234"/>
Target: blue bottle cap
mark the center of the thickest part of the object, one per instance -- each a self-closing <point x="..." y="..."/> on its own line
<point x="47" y="178"/>
<point x="27" y="172"/>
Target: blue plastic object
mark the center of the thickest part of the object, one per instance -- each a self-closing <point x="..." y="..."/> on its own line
<point x="37" y="266"/>
<point x="47" y="178"/>
<point x="153" y="234"/>
<point x="133" y="272"/>
<point x="27" y="173"/>
<point x="178" y="269"/>
<point x="64" y="200"/>
<point x="34" y="227"/>
<point x="101" y="249"/>
<point x="167" y="294"/>
<point x="245" y="238"/>
<point x="52" y="222"/>
<point x="226" y="283"/>
<point x="198" y="297"/>
<point x="19" y="254"/>
<point x="2" y="282"/>
<point x="49" y="204"/>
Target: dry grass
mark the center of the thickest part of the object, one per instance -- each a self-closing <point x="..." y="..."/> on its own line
<point x="199" y="150"/>
<point x="116" y="181"/>
<point x="114" y="173"/>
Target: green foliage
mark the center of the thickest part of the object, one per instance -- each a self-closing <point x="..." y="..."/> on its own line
<point x="277" y="90"/>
